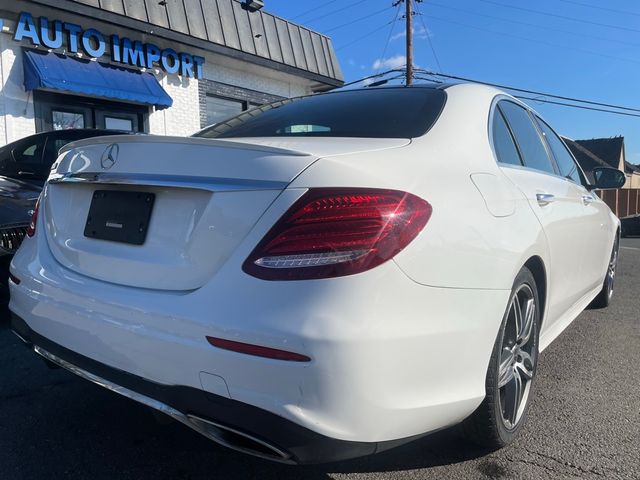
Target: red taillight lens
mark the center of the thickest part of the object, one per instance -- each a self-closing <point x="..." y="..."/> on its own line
<point x="334" y="232"/>
<point x="31" y="228"/>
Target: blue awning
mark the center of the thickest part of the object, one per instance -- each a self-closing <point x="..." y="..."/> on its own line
<point x="89" y="77"/>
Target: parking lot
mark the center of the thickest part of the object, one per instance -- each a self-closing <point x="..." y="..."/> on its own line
<point x="584" y="420"/>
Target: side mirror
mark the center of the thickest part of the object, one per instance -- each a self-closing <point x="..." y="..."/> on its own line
<point x="608" y="178"/>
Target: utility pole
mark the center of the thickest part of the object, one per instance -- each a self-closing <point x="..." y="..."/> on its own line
<point x="408" y="16"/>
<point x="409" y="19"/>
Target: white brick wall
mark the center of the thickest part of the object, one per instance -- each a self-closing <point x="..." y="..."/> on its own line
<point x="183" y="117"/>
<point x="16" y="105"/>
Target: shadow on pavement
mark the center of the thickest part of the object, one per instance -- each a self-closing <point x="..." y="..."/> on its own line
<point x="78" y="430"/>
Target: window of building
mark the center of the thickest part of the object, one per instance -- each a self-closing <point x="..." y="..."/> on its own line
<point x="114" y="123"/>
<point x="506" y="150"/>
<point x="219" y="109"/>
<point x="566" y="164"/>
<point x="64" y="120"/>
<point x="533" y="151"/>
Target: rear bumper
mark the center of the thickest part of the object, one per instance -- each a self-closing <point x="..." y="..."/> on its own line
<point x="391" y="359"/>
<point x="259" y="433"/>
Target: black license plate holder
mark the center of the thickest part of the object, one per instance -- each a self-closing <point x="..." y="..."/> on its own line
<point x="119" y="216"/>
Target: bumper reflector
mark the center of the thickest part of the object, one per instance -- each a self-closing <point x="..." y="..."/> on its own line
<point x="257" y="350"/>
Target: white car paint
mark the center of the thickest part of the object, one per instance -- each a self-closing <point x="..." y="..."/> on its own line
<point x="398" y="350"/>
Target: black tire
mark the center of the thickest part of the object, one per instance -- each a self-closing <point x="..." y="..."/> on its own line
<point x="603" y="299"/>
<point x="487" y="426"/>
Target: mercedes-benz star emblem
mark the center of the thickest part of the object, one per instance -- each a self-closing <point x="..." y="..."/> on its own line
<point x="109" y="156"/>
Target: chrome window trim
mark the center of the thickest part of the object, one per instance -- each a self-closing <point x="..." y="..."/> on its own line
<point x="493" y="107"/>
<point x="492" y="113"/>
<point x="581" y="174"/>
<point x="552" y="160"/>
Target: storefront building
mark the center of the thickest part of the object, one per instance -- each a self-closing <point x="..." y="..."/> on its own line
<point x="167" y="67"/>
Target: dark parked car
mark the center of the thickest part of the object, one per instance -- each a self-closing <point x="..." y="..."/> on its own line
<point x="630" y="226"/>
<point x="24" y="167"/>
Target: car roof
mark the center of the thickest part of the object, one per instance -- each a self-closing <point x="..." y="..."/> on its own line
<point x="76" y="132"/>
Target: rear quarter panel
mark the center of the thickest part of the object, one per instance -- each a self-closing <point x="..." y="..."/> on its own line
<point x="464" y="244"/>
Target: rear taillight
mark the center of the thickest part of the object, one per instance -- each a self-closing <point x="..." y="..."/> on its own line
<point x="31" y="228"/>
<point x="332" y="232"/>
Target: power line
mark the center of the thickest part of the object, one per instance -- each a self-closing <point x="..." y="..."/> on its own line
<point x="532" y="92"/>
<point x="333" y="12"/>
<point x="362" y="37"/>
<point x="552" y="102"/>
<point x="541" y="42"/>
<point x="623" y="12"/>
<point x="313" y="9"/>
<point x="433" y="80"/>
<point x="478" y="14"/>
<point x="381" y="74"/>
<point x="383" y="81"/>
<point x="378" y="12"/>
<point x="522" y="97"/>
<point x="564" y="17"/>
<point x="433" y="50"/>
<point x="393" y="26"/>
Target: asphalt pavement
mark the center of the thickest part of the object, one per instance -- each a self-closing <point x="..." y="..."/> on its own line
<point x="584" y="420"/>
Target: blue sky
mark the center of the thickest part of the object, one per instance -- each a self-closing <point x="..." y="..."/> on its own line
<point x="501" y="41"/>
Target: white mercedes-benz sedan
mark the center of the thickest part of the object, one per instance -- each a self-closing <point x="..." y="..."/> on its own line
<point x="324" y="277"/>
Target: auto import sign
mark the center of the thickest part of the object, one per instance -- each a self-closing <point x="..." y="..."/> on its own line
<point x="55" y="33"/>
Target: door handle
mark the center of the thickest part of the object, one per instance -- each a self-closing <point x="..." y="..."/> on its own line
<point x="545" y="199"/>
<point x="587" y="199"/>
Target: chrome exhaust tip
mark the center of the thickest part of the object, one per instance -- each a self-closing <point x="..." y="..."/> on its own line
<point x="239" y="441"/>
<point x="221" y="434"/>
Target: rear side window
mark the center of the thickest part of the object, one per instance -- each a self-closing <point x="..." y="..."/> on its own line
<point x="30" y="152"/>
<point x="506" y="150"/>
<point x="530" y="144"/>
<point x="566" y="164"/>
<point x="375" y="113"/>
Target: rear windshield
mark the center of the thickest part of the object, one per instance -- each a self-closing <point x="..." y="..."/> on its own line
<point x="376" y="113"/>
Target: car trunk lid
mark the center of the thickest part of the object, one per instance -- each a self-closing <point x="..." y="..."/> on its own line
<point x="205" y="197"/>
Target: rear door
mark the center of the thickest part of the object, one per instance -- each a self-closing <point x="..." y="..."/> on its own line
<point x="556" y="202"/>
<point x="595" y="218"/>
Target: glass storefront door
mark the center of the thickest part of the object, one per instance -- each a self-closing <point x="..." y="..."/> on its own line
<point x="114" y="120"/>
<point x="61" y="112"/>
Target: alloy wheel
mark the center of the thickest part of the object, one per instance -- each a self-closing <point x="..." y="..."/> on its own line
<point x="518" y="356"/>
